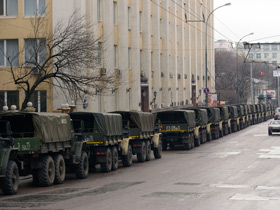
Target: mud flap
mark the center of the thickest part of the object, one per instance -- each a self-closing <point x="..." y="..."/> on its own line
<point x="221" y="125"/>
<point x="208" y="128"/>
<point x="124" y="146"/>
<point x="156" y="140"/>
<point x="237" y="121"/>
<point x="196" y="132"/>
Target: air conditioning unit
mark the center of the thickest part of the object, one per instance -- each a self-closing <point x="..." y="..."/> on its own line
<point x="118" y="72"/>
<point x="103" y="71"/>
<point x="35" y="70"/>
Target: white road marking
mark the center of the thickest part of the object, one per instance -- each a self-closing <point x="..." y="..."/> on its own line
<point x="165" y="172"/>
<point x="267" y="188"/>
<point x="252" y="197"/>
<point x="222" y="154"/>
<point x="230" y="186"/>
<point x="261" y="135"/>
<point x="274" y="153"/>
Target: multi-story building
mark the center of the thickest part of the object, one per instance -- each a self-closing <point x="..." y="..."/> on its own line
<point x="155" y="47"/>
<point x="224" y="45"/>
<point x="16" y="42"/>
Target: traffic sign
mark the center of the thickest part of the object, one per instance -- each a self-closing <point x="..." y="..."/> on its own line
<point x="276" y="73"/>
<point x="206" y="90"/>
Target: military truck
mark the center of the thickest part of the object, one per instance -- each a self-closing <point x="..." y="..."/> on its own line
<point x="254" y="114"/>
<point x="200" y="131"/>
<point x="225" y="122"/>
<point x="44" y="145"/>
<point x="177" y="128"/>
<point x="234" y="119"/>
<point x="213" y="127"/>
<point x="241" y="116"/>
<point x="142" y="134"/>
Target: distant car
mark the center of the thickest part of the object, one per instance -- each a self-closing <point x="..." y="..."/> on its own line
<point x="277" y="110"/>
<point x="276" y="116"/>
<point x="273" y="126"/>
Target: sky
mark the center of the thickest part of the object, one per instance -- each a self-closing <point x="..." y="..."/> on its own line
<point x="243" y="17"/>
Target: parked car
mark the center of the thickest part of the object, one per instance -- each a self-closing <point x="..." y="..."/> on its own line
<point x="273" y="126"/>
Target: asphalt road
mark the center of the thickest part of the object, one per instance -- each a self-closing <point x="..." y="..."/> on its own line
<point x="238" y="171"/>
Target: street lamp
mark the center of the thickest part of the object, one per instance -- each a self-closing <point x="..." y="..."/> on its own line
<point x="206" y="76"/>
<point x="237" y="72"/>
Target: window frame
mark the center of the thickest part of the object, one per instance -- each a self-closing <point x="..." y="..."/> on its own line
<point x="5" y="50"/>
<point x="5" y="7"/>
<point x="38" y="59"/>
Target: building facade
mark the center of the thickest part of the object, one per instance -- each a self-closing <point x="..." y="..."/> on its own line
<point x="17" y="20"/>
<point x="155" y="48"/>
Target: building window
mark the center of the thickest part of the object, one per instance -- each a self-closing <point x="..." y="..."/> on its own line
<point x="274" y="55"/>
<point x="140" y="21"/>
<point x="274" y="47"/>
<point x="115" y="13"/>
<point x="9" y="52"/>
<point x="35" y="51"/>
<point x="99" y="59"/>
<point x="99" y="10"/>
<point x="115" y="56"/>
<point x="141" y="60"/>
<point x="258" y="55"/>
<point x="266" y="47"/>
<point x="39" y="100"/>
<point x="34" y="7"/>
<point x="129" y="58"/>
<point x="8" y="7"/>
<point x="266" y="55"/>
<point x="9" y="98"/>
<point x="128" y="18"/>
<point x="251" y="55"/>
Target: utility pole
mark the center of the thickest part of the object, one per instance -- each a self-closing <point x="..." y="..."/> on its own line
<point x="252" y="85"/>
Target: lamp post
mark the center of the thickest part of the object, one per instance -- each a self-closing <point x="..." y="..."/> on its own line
<point x="206" y="76"/>
<point x="237" y="72"/>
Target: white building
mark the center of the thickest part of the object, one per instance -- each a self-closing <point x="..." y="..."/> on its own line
<point x="155" y="47"/>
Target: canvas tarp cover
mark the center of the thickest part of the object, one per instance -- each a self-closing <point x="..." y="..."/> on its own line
<point x="240" y="110"/>
<point x="144" y="120"/>
<point x="108" y="124"/>
<point x="203" y="116"/>
<point x="253" y="109"/>
<point x="52" y="127"/>
<point x="233" y="111"/>
<point x="213" y="116"/>
<point x="224" y="113"/>
<point x="190" y="117"/>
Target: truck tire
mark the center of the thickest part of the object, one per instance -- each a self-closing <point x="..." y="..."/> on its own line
<point x="59" y="169"/>
<point x="46" y="174"/>
<point x="107" y="166"/>
<point x="83" y="166"/>
<point x="158" y="150"/>
<point x="196" y="140"/>
<point x="141" y="157"/>
<point x="115" y="159"/>
<point x="127" y="159"/>
<point x="11" y="182"/>
<point x="149" y="150"/>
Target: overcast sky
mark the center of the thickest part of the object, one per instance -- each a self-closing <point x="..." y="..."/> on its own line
<point x="262" y="17"/>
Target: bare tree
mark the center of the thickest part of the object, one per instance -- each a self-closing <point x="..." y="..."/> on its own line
<point x="69" y="54"/>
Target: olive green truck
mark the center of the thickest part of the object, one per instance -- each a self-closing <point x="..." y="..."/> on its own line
<point x="41" y="144"/>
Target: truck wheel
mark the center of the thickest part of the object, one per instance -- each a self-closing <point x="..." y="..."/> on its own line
<point x="188" y="146"/>
<point x="115" y="159"/>
<point x="209" y="136"/>
<point x="141" y="157"/>
<point x="59" y="169"/>
<point x="47" y="173"/>
<point x="196" y="140"/>
<point x="158" y="150"/>
<point x="149" y="150"/>
<point x="11" y="181"/>
<point x="107" y="166"/>
<point x="127" y="159"/>
<point x="83" y="166"/>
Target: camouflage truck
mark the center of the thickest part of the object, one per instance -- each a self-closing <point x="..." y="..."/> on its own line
<point x="103" y="134"/>
<point x="225" y="122"/>
<point x="142" y="135"/>
<point x="177" y="128"/>
<point x="248" y="113"/>
<point x="213" y="126"/>
<point x="44" y="145"/>
<point x="234" y="118"/>
<point x="259" y="113"/>
<point x="241" y="116"/>
<point x="201" y="120"/>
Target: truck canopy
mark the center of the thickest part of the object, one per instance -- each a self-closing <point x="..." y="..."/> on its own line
<point x="240" y="109"/>
<point x="145" y="121"/>
<point x="253" y="109"/>
<point x="224" y="112"/>
<point x="213" y="115"/>
<point x="233" y="111"/>
<point x="108" y="124"/>
<point x="178" y="117"/>
<point x="200" y="114"/>
<point x="49" y="127"/>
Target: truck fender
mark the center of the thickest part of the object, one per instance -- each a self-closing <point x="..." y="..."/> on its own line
<point x="155" y="140"/>
<point x="208" y="128"/>
<point x="124" y="146"/>
<point x="196" y="132"/>
<point x="78" y="151"/>
<point x="237" y="120"/>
